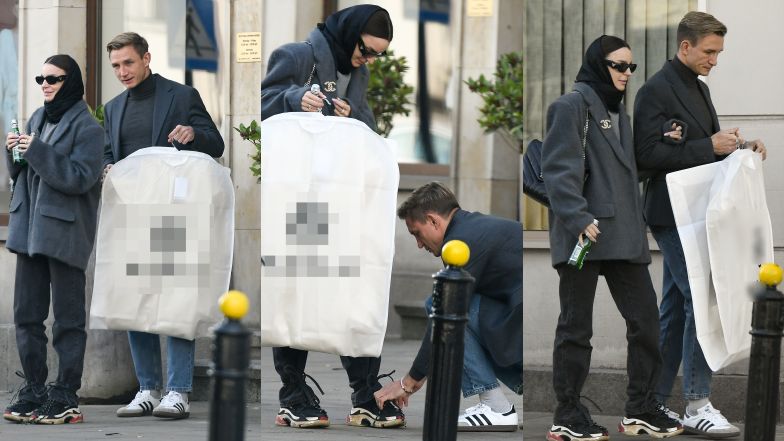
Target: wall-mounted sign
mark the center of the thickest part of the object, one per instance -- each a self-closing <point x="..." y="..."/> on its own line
<point x="248" y="47"/>
<point x="479" y="8"/>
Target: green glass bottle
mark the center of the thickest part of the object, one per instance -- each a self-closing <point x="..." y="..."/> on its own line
<point x="17" y="155"/>
<point x="581" y="250"/>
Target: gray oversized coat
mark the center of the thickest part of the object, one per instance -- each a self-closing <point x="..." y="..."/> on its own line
<point x="611" y="192"/>
<point x="54" y="208"/>
<point x="288" y="72"/>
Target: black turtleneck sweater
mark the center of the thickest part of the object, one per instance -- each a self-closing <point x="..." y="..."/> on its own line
<point x="699" y="102"/>
<point x="136" y="125"/>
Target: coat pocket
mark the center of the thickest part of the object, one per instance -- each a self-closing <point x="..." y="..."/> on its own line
<point x="16" y="202"/>
<point x="56" y="212"/>
<point x="602" y="210"/>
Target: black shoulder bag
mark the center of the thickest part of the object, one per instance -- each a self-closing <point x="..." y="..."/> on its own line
<point x="533" y="180"/>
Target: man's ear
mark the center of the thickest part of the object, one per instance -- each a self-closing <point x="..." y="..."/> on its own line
<point x="146" y="58"/>
<point x="684" y="46"/>
<point x="433" y="219"/>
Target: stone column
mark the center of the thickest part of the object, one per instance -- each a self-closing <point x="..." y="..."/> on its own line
<point x="486" y="167"/>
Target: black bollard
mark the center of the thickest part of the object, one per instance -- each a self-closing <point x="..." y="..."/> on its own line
<point x="762" y="398"/>
<point x="451" y="294"/>
<point x="231" y="357"/>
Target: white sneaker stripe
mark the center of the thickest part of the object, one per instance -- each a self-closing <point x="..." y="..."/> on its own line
<point x="484" y="417"/>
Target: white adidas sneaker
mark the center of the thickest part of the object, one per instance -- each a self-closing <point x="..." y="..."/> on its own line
<point x="143" y="404"/>
<point x="481" y="418"/>
<point x="710" y="422"/>
<point x="173" y="405"/>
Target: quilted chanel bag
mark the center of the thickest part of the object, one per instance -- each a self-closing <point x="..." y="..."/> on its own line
<point x="533" y="180"/>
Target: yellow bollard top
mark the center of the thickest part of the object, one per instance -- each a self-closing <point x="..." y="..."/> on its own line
<point x="770" y="274"/>
<point x="455" y="253"/>
<point x="234" y="304"/>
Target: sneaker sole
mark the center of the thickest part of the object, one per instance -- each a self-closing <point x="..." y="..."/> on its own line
<point x="712" y="435"/>
<point x="280" y="420"/>
<point x="67" y="419"/>
<point x="489" y="428"/>
<point x="17" y="418"/>
<point x="362" y="420"/>
<point x="133" y="414"/>
<point x="556" y="437"/>
<point x="640" y="429"/>
<point x="172" y="415"/>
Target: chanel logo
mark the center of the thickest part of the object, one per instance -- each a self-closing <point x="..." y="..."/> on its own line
<point x="605" y="123"/>
<point x="329" y="86"/>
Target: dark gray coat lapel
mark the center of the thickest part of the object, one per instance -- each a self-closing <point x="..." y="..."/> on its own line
<point x="164" y="96"/>
<point x="601" y="118"/>
<point x="682" y="94"/>
<point x="117" y="116"/>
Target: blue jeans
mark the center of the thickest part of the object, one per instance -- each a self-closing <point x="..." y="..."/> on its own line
<point x="678" y="335"/>
<point x="480" y="372"/>
<point x="146" y="353"/>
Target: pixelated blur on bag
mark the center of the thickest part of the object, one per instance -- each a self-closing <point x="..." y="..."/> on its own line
<point x="164" y="244"/>
<point x="724" y="226"/>
<point x="328" y="199"/>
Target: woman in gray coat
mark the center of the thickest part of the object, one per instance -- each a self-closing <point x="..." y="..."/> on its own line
<point x="590" y="174"/>
<point x="334" y="57"/>
<point x="51" y="230"/>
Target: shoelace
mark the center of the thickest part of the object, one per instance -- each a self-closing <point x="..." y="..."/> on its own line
<point x="386" y="375"/>
<point x="138" y="399"/>
<point x="171" y="399"/>
<point x="587" y="415"/>
<point x="21" y="387"/>
<point x="300" y="379"/>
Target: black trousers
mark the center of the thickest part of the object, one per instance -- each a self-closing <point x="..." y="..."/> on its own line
<point x="290" y="365"/>
<point x="632" y="290"/>
<point x="34" y="276"/>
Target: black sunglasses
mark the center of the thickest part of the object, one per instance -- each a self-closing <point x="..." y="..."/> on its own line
<point x="50" y="79"/>
<point x="368" y="53"/>
<point x="622" y="66"/>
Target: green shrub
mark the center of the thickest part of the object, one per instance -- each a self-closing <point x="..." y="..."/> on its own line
<point x="503" y="98"/>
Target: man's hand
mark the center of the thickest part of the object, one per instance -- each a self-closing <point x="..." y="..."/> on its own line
<point x="757" y="146"/>
<point x="676" y="133"/>
<point x="105" y="171"/>
<point x="181" y="134"/>
<point x="395" y="392"/>
<point x="725" y="141"/>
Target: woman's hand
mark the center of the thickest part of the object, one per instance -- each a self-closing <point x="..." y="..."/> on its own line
<point x="10" y="140"/>
<point x="311" y="102"/>
<point x="342" y="108"/>
<point x="592" y="232"/>
<point x="24" y="143"/>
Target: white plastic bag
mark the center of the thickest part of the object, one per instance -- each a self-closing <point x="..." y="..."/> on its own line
<point x="725" y="229"/>
<point x="328" y="199"/>
<point x="164" y="244"/>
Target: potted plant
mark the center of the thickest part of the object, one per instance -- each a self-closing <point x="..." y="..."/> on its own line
<point x="503" y="98"/>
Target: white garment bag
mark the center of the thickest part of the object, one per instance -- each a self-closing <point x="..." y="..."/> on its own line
<point x="164" y="244"/>
<point x="724" y="225"/>
<point x="328" y="199"/>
